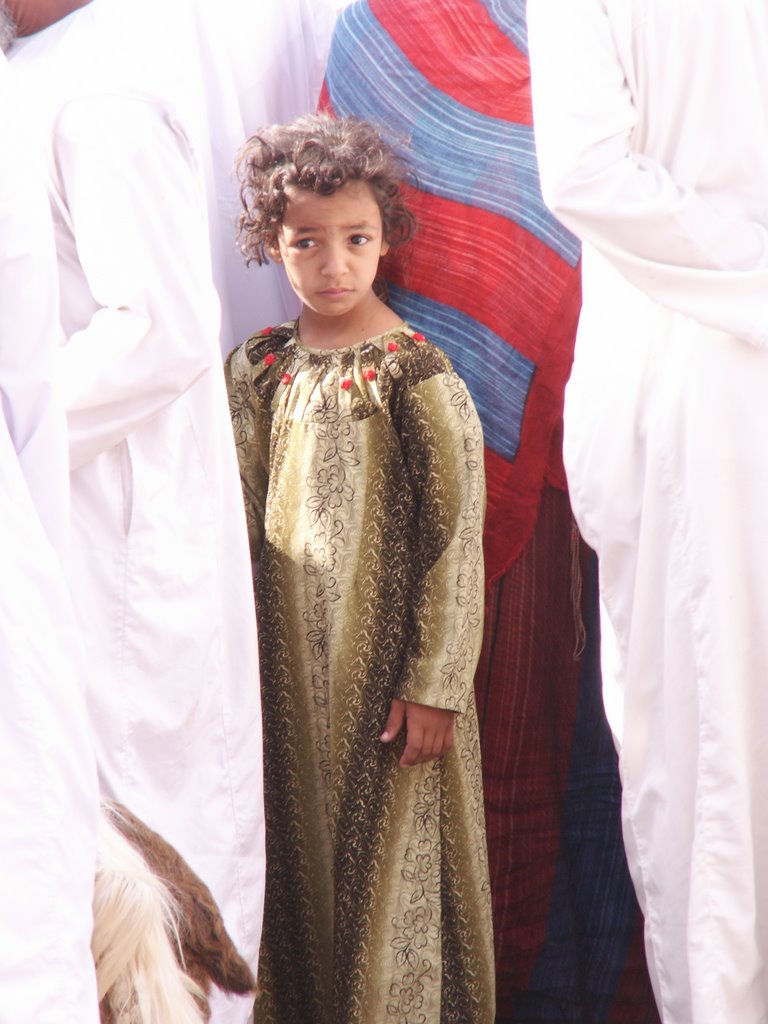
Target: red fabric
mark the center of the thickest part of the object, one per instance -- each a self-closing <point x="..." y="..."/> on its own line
<point x="567" y="928"/>
<point x="527" y="688"/>
<point x="553" y="297"/>
<point x="484" y="76"/>
<point x="465" y="257"/>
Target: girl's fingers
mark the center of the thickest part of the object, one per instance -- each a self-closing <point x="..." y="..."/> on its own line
<point x="394" y="721"/>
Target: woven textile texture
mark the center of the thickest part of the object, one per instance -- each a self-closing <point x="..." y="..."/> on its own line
<point x="569" y="945"/>
<point x="494" y="280"/>
<point x="492" y="276"/>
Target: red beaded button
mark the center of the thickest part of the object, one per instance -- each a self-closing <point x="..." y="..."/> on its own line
<point x="393" y="346"/>
<point x="286" y="378"/>
<point x="268" y="330"/>
<point x="269" y="358"/>
<point x="369" y="373"/>
<point x="346" y="383"/>
<point x="419" y="337"/>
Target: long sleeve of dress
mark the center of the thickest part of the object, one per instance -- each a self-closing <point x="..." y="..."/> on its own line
<point x="251" y="429"/>
<point x="442" y="442"/>
<point x="665" y="224"/>
<point x="134" y="204"/>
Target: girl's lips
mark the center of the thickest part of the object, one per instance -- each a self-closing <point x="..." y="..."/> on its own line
<point x="335" y="292"/>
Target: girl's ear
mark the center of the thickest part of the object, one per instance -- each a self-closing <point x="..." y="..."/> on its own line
<point x="384" y="248"/>
<point x="274" y="254"/>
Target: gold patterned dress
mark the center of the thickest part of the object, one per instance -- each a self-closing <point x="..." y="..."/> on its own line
<point x="362" y="471"/>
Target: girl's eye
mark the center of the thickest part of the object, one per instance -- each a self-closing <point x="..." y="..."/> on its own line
<point x="359" y="239"/>
<point x="304" y="243"/>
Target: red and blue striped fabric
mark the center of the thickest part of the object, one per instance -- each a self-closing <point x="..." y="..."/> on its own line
<point x="493" y="277"/>
<point x="494" y="280"/>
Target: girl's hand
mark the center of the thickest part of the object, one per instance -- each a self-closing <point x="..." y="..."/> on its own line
<point x="428" y="731"/>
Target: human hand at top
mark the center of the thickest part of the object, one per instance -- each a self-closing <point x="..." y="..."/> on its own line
<point x="428" y="731"/>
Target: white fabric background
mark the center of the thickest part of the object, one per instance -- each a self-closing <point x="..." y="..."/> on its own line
<point x="48" y="787"/>
<point x="659" y="163"/>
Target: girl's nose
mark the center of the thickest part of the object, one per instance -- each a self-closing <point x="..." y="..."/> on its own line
<point x="335" y="261"/>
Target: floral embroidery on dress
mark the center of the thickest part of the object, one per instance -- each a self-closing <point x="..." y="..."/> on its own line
<point x="357" y="498"/>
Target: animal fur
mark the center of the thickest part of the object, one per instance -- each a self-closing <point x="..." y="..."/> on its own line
<point x="158" y="940"/>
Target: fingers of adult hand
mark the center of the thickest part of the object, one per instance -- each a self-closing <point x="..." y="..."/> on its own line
<point x="394" y="721"/>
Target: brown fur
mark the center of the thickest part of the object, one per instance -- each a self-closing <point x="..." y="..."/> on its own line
<point x="209" y="955"/>
<point x="135" y="941"/>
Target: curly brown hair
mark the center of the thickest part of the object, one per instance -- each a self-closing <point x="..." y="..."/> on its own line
<point x="321" y="154"/>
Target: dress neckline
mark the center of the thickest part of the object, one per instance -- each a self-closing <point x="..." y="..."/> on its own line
<point x="373" y="340"/>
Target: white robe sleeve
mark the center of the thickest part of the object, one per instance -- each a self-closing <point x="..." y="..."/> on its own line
<point x="671" y="242"/>
<point x="135" y="205"/>
<point x="29" y="320"/>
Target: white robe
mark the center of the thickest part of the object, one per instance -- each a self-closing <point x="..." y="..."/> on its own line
<point x="234" y="66"/>
<point x="48" y="786"/>
<point x="261" y="64"/>
<point x="651" y="119"/>
<point x="160" y="568"/>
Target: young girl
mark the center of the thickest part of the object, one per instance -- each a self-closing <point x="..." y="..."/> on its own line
<point x="361" y="458"/>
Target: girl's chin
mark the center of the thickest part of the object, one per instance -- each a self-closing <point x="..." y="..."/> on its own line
<point x="330" y="307"/>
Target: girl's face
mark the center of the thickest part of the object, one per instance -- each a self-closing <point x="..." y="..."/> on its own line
<point x="330" y="246"/>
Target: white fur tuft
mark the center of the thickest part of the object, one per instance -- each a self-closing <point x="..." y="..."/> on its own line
<point x="135" y="940"/>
